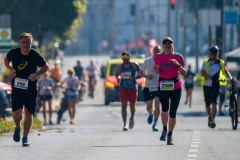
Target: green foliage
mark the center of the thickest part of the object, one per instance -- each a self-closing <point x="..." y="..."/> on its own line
<point x="61" y="17"/>
<point x="198" y="80"/>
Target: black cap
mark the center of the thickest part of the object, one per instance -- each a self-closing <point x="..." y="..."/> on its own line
<point x="167" y="39"/>
<point x="125" y="53"/>
<point x="214" y="49"/>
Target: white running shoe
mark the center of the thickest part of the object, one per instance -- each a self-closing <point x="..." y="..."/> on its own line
<point x="131" y="123"/>
<point x="125" y="127"/>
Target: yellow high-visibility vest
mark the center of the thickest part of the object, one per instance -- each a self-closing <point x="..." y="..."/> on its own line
<point x="222" y="74"/>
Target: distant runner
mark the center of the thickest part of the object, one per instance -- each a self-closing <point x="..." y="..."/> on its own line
<point x="150" y="91"/>
<point x="128" y="90"/>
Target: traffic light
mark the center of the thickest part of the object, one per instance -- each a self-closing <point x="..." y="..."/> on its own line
<point x="132" y="9"/>
<point x="172" y="4"/>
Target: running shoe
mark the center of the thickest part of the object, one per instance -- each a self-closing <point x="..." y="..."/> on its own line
<point x="212" y="124"/>
<point x="150" y="119"/>
<point x="16" y="135"/>
<point x="50" y="123"/>
<point x="125" y="127"/>
<point x="25" y="142"/>
<point x="154" y="128"/>
<point x="72" y="122"/>
<point x="163" y="136"/>
<point x="169" y="140"/>
<point x="131" y="123"/>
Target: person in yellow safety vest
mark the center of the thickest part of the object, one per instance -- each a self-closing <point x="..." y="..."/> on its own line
<point x="214" y="73"/>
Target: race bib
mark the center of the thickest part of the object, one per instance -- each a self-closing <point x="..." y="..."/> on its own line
<point x="21" y="83"/>
<point x="153" y="89"/>
<point x="125" y="75"/>
<point x="208" y="83"/>
<point x="166" y="85"/>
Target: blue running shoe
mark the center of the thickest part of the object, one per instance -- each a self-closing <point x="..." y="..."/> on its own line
<point x="150" y="119"/>
<point x="131" y="123"/>
<point x="154" y="128"/>
<point x="163" y="136"/>
<point x="25" y="142"/>
<point x="16" y="135"/>
<point x="170" y="141"/>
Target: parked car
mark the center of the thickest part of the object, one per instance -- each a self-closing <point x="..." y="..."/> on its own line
<point x="111" y="87"/>
<point x="5" y="99"/>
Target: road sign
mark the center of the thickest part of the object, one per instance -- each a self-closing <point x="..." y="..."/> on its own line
<point x="5" y="35"/>
<point x="214" y="17"/>
<point x="231" y="17"/>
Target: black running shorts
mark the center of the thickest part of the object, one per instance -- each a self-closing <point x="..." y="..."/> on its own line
<point x="23" y="98"/>
<point x="149" y="95"/>
<point x="174" y="97"/>
<point x="210" y="94"/>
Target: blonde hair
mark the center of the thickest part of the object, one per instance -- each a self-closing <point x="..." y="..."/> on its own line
<point x="29" y="35"/>
<point x="71" y="71"/>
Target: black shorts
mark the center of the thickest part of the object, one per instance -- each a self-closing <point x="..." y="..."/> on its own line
<point x="174" y="97"/>
<point x="210" y="94"/>
<point x="45" y="97"/>
<point x="149" y="95"/>
<point x="188" y="86"/>
<point x="21" y="98"/>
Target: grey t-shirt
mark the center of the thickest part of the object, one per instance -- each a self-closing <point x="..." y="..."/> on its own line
<point x="43" y="84"/>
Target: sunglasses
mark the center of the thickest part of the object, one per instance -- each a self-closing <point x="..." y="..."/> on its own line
<point x="125" y="57"/>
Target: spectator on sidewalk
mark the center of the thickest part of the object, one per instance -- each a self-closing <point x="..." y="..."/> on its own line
<point x="46" y="86"/>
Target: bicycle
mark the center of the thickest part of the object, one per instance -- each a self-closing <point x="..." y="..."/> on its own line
<point x="233" y="105"/>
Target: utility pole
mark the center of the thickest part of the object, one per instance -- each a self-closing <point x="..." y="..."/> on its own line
<point x="196" y="49"/>
<point x="185" y="35"/>
<point x="209" y="27"/>
<point x="158" y="21"/>
<point x="168" y="17"/>
<point x="136" y="26"/>
<point x="223" y="29"/>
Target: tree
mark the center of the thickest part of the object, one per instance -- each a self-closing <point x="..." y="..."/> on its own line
<point x="60" y="17"/>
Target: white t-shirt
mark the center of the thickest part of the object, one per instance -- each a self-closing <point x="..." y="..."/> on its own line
<point x="71" y="85"/>
<point x="147" y="69"/>
<point x="213" y="69"/>
<point x="91" y="70"/>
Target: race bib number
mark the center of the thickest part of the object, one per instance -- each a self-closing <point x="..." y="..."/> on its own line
<point x="21" y="83"/>
<point x="126" y="75"/>
<point x="208" y="83"/>
<point x="167" y="85"/>
<point x="153" y="89"/>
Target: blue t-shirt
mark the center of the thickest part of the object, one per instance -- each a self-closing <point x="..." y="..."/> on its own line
<point x="189" y="80"/>
<point x="126" y="83"/>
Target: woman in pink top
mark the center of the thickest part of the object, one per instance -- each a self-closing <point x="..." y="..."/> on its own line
<point x="168" y="65"/>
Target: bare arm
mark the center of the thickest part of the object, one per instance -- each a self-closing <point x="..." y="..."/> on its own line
<point x="12" y="71"/>
<point x="228" y="74"/>
<point x="156" y="69"/>
<point x="34" y="76"/>
<point x="118" y="73"/>
<point x="204" y="74"/>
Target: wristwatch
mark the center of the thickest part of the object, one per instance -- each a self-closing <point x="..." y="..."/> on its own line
<point x="179" y="66"/>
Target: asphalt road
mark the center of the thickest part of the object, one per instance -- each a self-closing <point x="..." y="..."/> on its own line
<point x="98" y="135"/>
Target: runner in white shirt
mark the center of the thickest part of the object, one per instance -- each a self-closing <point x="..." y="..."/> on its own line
<point x="150" y="91"/>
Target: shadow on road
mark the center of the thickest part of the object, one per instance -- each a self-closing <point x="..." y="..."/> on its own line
<point x="193" y="114"/>
<point x="128" y="146"/>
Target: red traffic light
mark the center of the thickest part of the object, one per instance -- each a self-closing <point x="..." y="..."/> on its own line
<point x="172" y="2"/>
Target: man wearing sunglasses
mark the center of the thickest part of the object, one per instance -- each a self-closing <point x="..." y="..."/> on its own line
<point x="214" y="73"/>
<point x="128" y="90"/>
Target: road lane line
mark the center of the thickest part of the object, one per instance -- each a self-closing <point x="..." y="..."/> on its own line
<point x="194" y="146"/>
<point x="193" y="150"/>
<point x="192" y="156"/>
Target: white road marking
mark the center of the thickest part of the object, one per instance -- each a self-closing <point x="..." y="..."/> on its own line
<point x="194" y="145"/>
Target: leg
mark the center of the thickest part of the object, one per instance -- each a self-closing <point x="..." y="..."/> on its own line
<point x="74" y="100"/>
<point x="132" y="109"/>
<point x="150" y="106"/>
<point x="70" y="107"/>
<point x="157" y="108"/>
<point x="172" y="123"/>
<point x="28" y="118"/>
<point x="190" y="97"/>
<point x="44" y="111"/>
<point x="124" y="111"/>
<point x="17" y="117"/>
<point x="213" y="111"/>
<point x="50" y="110"/>
<point x="186" y="96"/>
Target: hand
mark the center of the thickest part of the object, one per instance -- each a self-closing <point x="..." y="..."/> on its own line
<point x="13" y="73"/>
<point x="131" y="78"/>
<point x="174" y="61"/>
<point x="118" y="80"/>
<point x="33" y="77"/>
<point x="149" y="77"/>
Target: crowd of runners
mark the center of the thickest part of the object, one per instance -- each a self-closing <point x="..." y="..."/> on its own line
<point x="163" y="86"/>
